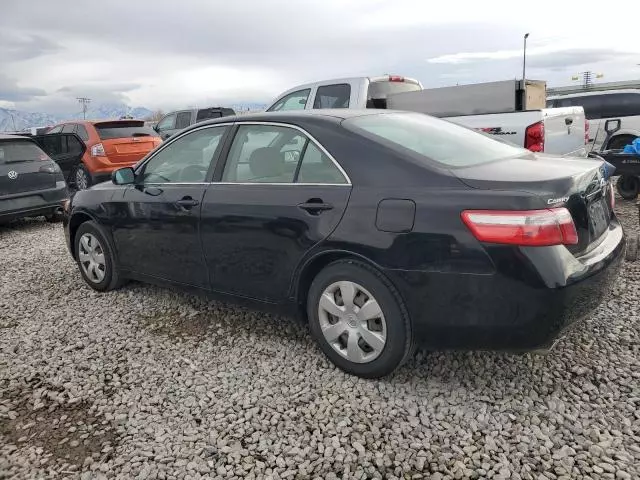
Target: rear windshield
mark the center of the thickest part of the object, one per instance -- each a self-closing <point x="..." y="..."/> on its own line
<point x="433" y="139"/>
<point x="20" y="151"/>
<point x="381" y="89"/>
<point x="110" y="130"/>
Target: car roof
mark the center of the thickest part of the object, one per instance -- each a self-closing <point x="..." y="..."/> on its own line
<point x="4" y="136"/>
<point x="298" y="115"/>
<point x="594" y="92"/>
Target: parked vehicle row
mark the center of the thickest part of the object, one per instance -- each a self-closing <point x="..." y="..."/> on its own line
<point x="386" y="229"/>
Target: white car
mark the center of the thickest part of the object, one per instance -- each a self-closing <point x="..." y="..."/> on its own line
<point x="600" y="105"/>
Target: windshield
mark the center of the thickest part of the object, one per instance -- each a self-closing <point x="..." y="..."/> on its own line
<point x="20" y="151"/>
<point x="434" y="139"/>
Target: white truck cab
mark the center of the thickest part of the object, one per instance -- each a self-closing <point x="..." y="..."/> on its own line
<point x="493" y="108"/>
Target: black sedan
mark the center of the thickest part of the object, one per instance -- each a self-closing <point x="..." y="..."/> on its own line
<point x="384" y="228"/>
<point x="31" y="183"/>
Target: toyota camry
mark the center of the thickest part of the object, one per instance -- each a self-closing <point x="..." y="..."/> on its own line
<point x="385" y="229"/>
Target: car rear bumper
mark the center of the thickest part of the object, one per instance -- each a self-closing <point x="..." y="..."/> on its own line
<point x="525" y="305"/>
<point x="34" y="203"/>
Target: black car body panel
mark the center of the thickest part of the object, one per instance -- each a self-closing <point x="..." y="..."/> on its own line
<point x="66" y="149"/>
<point x="397" y="213"/>
<point x="31" y="184"/>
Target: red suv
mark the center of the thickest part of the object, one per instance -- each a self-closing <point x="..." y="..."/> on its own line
<point x="111" y="144"/>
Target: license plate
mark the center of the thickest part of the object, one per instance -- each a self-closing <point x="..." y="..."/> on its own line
<point x="598" y="217"/>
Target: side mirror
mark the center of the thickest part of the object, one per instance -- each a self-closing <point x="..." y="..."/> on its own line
<point x="155" y="127"/>
<point x="123" y="176"/>
<point x="612" y="126"/>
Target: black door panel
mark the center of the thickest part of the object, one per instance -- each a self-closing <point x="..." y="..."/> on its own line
<point x="254" y="236"/>
<point x="156" y="232"/>
<point x="66" y="149"/>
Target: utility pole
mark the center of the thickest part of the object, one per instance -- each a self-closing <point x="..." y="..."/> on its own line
<point x="84" y="101"/>
<point x="587" y="78"/>
<point x="524" y="59"/>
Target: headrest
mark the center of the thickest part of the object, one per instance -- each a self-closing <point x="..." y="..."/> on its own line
<point x="266" y="162"/>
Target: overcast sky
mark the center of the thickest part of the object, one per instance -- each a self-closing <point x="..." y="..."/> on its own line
<point x="172" y="54"/>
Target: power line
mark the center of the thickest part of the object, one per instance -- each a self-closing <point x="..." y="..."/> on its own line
<point x="84" y="101"/>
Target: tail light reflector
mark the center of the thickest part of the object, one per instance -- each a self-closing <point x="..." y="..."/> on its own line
<point x="531" y="228"/>
<point x="98" y="150"/>
<point x="534" y="137"/>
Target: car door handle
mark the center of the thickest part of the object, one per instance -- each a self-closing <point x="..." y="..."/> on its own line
<point x="187" y="203"/>
<point x="315" y="207"/>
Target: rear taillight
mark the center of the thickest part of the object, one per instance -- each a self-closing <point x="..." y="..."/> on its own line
<point x="534" y="137"/>
<point x="586" y="131"/>
<point x="396" y="78"/>
<point x="98" y="150"/>
<point x="531" y="228"/>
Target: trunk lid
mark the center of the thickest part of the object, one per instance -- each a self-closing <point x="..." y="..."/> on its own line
<point x="580" y="185"/>
<point x="126" y="141"/>
<point x="21" y="167"/>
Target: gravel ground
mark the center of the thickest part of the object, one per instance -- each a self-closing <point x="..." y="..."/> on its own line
<point x="149" y="383"/>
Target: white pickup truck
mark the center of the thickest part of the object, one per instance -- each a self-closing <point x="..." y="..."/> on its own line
<point x="559" y="131"/>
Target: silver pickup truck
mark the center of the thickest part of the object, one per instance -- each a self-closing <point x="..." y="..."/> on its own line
<point x="559" y="131"/>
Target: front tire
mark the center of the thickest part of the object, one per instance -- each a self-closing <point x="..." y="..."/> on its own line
<point x="81" y="177"/>
<point x="628" y="187"/>
<point x="359" y="320"/>
<point x="95" y="258"/>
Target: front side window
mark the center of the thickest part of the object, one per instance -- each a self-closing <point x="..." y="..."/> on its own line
<point x="183" y="120"/>
<point x="277" y="154"/>
<point x="333" y="96"/>
<point x="83" y="133"/>
<point x="185" y="160"/>
<point x="293" y="101"/>
<point x="69" y="128"/>
<point x="621" y="105"/>
<point x="433" y="139"/>
<point x="57" y="129"/>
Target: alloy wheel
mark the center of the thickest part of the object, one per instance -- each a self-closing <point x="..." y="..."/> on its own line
<point x="82" y="182"/>
<point x="352" y="322"/>
<point x="91" y="257"/>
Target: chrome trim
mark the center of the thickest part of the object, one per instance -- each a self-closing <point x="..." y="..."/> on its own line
<point x="254" y="122"/>
<point x="249" y="183"/>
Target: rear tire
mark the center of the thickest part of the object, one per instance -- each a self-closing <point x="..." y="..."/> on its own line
<point x="628" y="187"/>
<point x="370" y="334"/>
<point x="81" y="177"/>
<point x="96" y="259"/>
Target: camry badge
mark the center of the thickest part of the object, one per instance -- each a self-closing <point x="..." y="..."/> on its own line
<point x="12" y="174"/>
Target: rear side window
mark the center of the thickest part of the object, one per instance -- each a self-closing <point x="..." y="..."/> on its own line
<point x="621" y="105"/>
<point x="69" y="128"/>
<point x="593" y="105"/>
<point x="57" y="129"/>
<point x="183" y="120"/>
<point x="83" y="133"/>
<point x="20" y="151"/>
<point x="379" y="91"/>
<point x="110" y="130"/>
<point x="293" y="101"/>
<point x="333" y="96"/>
<point x="432" y="139"/>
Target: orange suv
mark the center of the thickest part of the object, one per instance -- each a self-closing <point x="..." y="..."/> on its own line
<point x="111" y="144"/>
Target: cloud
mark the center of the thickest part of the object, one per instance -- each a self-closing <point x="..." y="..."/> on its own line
<point x="19" y="46"/>
<point x="166" y="55"/>
<point x="10" y="91"/>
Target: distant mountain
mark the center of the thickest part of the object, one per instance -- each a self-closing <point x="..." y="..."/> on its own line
<point x="16" y="120"/>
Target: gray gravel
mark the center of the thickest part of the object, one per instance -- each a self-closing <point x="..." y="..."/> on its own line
<point x="149" y="383"/>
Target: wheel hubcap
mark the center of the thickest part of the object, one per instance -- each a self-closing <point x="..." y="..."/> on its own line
<point x="81" y="180"/>
<point x="352" y="322"/>
<point x="91" y="257"/>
